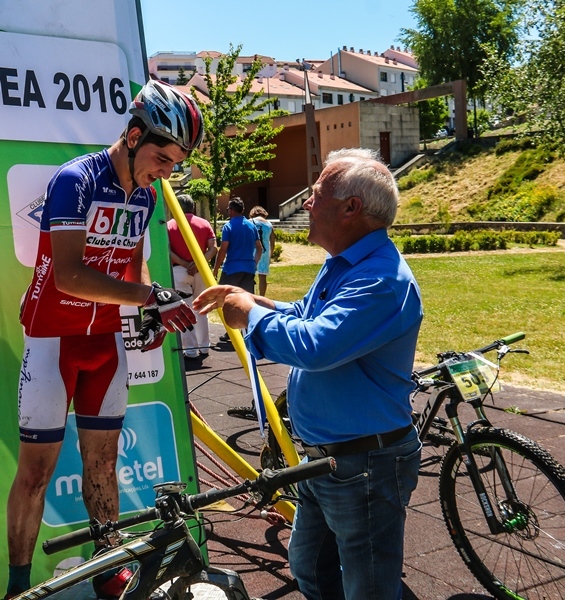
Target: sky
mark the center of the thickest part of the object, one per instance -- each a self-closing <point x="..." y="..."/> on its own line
<point x="287" y="30"/>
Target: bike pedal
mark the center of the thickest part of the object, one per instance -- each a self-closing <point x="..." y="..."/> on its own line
<point x="243" y="412"/>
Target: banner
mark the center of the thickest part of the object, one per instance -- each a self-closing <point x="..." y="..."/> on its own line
<point x="67" y="77"/>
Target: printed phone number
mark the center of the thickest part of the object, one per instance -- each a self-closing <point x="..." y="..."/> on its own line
<point x="75" y="93"/>
<point x="152" y="374"/>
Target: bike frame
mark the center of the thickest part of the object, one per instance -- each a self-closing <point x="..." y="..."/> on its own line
<point x="448" y="391"/>
<point x="159" y="556"/>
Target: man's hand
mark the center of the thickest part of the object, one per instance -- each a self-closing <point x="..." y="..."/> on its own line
<point x="151" y="333"/>
<point x="167" y="307"/>
<point x="236" y="303"/>
<point x="214" y="297"/>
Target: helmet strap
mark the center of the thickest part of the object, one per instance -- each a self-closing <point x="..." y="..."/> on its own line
<point x="132" y="153"/>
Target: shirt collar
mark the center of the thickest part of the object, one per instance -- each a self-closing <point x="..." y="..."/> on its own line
<point x="365" y="246"/>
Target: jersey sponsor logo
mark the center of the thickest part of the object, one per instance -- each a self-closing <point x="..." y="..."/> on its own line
<point x="66" y="223"/>
<point x="75" y="303"/>
<point x="81" y="190"/>
<point x="107" y="258"/>
<point x="41" y="273"/>
<point x="117" y="221"/>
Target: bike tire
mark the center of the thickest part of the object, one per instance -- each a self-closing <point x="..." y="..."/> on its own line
<point x="226" y="583"/>
<point x="527" y="561"/>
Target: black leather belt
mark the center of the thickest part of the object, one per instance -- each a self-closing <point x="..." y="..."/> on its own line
<point x="359" y="445"/>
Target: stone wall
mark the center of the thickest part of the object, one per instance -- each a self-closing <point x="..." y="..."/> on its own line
<point x="401" y="122"/>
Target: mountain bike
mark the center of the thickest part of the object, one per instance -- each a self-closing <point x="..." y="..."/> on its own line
<point x="502" y="495"/>
<point x="167" y="561"/>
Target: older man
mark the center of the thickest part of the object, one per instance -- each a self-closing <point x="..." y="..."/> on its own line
<point x="350" y="343"/>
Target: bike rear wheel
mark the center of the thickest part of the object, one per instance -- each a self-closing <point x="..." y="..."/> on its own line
<point x="528" y="559"/>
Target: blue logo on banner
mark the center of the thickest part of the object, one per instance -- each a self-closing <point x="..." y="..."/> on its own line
<point x="147" y="455"/>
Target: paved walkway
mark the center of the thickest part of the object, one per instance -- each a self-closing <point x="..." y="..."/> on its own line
<point x="257" y="550"/>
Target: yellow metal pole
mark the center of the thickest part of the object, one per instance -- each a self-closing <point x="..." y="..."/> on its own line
<point x="233" y="459"/>
<point x="273" y="416"/>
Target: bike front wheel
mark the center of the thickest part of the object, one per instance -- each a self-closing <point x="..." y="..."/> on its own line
<point x="527" y="560"/>
<point x="213" y="583"/>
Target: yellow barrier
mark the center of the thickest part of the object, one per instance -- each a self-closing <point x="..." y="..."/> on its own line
<point x="204" y="433"/>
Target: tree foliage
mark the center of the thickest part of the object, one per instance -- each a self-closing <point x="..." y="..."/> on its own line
<point x="182" y="79"/>
<point x="236" y="139"/>
<point x="533" y="88"/>
<point x="449" y="41"/>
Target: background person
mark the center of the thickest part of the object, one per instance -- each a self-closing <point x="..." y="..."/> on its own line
<point x="258" y="216"/>
<point x="239" y="252"/>
<point x="350" y="343"/>
<point x="186" y="275"/>
<point x="89" y="261"/>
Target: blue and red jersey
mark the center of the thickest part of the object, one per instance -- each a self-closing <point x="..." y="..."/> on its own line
<point x="85" y="194"/>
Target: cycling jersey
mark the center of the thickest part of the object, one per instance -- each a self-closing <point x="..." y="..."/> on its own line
<point x="85" y="194"/>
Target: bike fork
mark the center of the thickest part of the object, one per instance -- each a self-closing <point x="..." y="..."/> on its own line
<point x="464" y="447"/>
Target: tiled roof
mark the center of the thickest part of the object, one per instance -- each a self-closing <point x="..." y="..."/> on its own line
<point x="210" y="53"/>
<point x="318" y="79"/>
<point x="274" y="86"/>
<point x="187" y="89"/>
<point x="379" y="60"/>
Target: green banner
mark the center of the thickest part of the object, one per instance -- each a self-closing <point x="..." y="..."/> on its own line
<point x="66" y="80"/>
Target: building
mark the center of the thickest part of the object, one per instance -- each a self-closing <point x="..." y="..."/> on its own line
<point x="390" y="72"/>
<point x="166" y="65"/>
<point x="341" y="91"/>
<point x="392" y="130"/>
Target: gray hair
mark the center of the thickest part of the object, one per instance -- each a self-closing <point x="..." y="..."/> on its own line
<point x="360" y="177"/>
<point x="186" y="203"/>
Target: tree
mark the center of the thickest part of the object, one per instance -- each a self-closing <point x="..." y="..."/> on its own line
<point x="452" y="35"/>
<point x="533" y="88"/>
<point x="433" y="112"/>
<point x="182" y="79"/>
<point x="228" y="161"/>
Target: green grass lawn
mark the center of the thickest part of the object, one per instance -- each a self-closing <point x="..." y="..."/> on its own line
<point x="471" y="300"/>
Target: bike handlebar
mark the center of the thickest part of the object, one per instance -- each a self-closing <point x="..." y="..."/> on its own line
<point x="266" y="484"/>
<point x="505" y="341"/>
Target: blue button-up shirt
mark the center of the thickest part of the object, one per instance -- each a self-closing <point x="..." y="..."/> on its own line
<point x="350" y="343"/>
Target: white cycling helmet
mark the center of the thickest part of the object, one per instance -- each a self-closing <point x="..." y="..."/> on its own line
<point x="169" y="113"/>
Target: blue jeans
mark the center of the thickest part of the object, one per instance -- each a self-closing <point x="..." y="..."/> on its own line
<point x="348" y="535"/>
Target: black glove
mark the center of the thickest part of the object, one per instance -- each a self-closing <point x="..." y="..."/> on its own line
<point x="151" y="333"/>
<point x="167" y="307"/>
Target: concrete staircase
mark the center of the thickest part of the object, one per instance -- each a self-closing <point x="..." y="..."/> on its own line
<point x="298" y="221"/>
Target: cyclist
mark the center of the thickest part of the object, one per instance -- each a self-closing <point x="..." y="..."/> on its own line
<point x="90" y="261"/>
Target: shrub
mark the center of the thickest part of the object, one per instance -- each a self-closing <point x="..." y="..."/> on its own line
<point x="529" y="204"/>
<point x="473" y="240"/>
<point x="514" y="144"/>
<point x="526" y="168"/>
<point x="276" y="254"/>
<point x="300" y="237"/>
<point x="415" y="177"/>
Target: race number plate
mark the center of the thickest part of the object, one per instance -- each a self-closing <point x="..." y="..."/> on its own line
<point x="475" y="376"/>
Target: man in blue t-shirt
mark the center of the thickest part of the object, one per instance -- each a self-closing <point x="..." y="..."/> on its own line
<point x="241" y="248"/>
